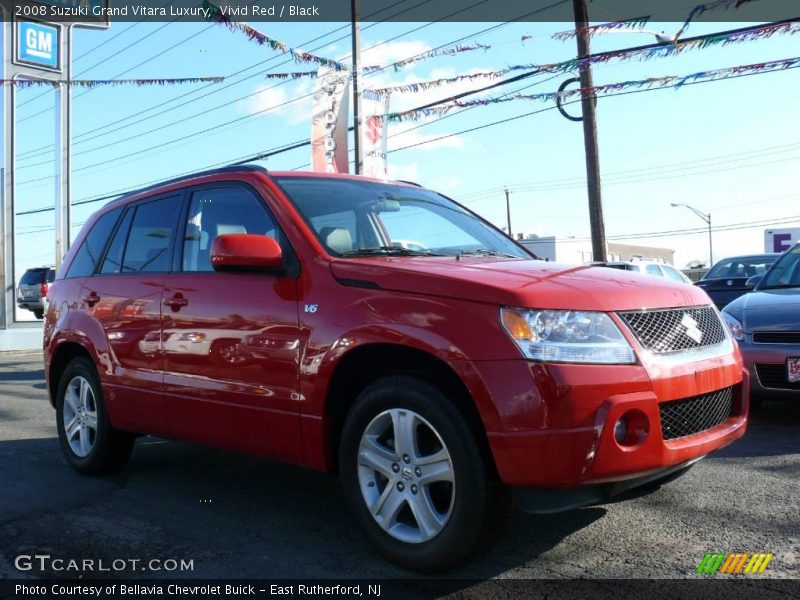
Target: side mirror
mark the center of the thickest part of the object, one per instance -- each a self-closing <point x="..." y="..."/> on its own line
<point x="753" y="281"/>
<point x="245" y="252"/>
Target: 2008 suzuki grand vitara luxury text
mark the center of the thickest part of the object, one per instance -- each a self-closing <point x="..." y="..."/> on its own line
<point x="381" y="330"/>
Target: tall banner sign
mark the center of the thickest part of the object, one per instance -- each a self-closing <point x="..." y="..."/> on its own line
<point x="373" y="133"/>
<point x="329" y="121"/>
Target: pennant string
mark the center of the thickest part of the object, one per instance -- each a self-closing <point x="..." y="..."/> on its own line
<point x="573" y="64"/>
<point x="217" y="15"/>
<point x="672" y="81"/>
<point x="636" y="23"/>
<point x="90" y="83"/>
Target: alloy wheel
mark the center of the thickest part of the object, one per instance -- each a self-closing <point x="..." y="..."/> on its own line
<point x="406" y="475"/>
<point x="80" y="416"/>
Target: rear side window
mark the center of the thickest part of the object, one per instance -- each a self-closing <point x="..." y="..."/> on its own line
<point x="654" y="270"/>
<point x="673" y="274"/>
<point x="51" y="276"/>
<point x="149" y="245"/>
<point x="219" y="211"/>
<point x="92" y="247"/>
<point x="113" y="260"/>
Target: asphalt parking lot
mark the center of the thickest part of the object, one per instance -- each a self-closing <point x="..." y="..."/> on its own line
<point x="240" y="517"/>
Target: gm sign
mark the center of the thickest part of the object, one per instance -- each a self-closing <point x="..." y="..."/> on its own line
<point x="38" y="45"/>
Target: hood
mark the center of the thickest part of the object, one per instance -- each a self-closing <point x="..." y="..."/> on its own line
<point x="524" y="283"/>
<point x="776" y="310"/>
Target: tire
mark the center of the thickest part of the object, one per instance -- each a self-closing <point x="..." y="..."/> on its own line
<point x="457" y="518"/>
<point x="93" y="446"/>
<point x="39" y="314"/>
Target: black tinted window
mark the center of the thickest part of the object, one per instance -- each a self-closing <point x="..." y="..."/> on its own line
<point x="92" y="247"/>
<point x="219" y="211"/>
<point x="113" y="260"/>
<point x="149" y="240"/>
<point x="33" y="276"/>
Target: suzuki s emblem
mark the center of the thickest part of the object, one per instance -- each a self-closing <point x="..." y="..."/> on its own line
<point x="692" y="330"/>
<point x="729" y="282"/>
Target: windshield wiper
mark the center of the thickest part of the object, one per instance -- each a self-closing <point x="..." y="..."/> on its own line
<point x="388" y="251"/>
<point x="485" y="252"/>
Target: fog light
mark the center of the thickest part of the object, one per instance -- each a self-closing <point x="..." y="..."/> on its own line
<point x="631" y="429"/>
<point x="621" y="431"/>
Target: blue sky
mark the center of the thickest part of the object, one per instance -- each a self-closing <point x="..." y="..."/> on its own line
<point x="729" y="147"/>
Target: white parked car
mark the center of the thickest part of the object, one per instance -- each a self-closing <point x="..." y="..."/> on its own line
<point x="648" y="267"/>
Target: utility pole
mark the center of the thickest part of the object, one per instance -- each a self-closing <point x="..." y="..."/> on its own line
<point x="508" y="213"/>
<point x="590" y="135"/>
<point x="356" y="38"/>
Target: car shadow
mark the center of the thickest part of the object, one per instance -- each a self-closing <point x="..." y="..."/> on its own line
<point x="233" y="515"/>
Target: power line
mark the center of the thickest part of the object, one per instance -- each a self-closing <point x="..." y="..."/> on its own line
<point x="217" y="89"/>
<point x="638" y="177"/>
<point x="137" y="41"/>
<point x="126" y="71"/>
<point x="194" y="134"/>
<point x="452" y="98"/>
<point x="304" y="143"/>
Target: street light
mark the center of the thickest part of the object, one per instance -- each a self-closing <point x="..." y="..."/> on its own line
<point x="707" y="218"/>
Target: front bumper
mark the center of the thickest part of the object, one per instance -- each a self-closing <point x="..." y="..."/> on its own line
<point x="576" y="409"/>
<point x="544" y="501"/>
<point x="767" y="365"/>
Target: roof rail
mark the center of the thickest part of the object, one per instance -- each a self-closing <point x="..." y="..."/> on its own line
<point x="414" y="183"/>
<point x="226" y="169"/>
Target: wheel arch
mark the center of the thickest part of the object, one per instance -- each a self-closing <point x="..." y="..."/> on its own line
<point x="64" y="354"/>
<point x="367" y="363"/>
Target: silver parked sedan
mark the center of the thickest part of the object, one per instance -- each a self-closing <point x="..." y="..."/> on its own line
<point x="766" y="323"/>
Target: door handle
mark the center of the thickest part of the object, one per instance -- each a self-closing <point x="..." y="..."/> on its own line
<point x="176" y="302"/>
<point x="91" y="299"/>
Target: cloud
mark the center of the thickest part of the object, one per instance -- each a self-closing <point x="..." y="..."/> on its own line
<point x="289" y="100"/>
<point x="448" y="183"/>
<point x="385" y="53"/>
<point x="408" y="172"/>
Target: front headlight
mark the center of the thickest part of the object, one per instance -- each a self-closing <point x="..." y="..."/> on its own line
<point x="734" y="326"/>
<point x="567" y="336"/>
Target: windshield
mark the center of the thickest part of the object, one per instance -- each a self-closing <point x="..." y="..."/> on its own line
<point x="785" y="273"/>
<point x="352" y="218"/>
<point x="741" y="266"/>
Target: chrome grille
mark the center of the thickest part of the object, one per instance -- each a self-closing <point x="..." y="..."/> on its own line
<point x="680" y="418"/>
<point x="675" y="329"/>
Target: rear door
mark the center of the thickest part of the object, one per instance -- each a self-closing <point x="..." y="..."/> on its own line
<point x="125" y="295"/>
<point x="231" y="340"/>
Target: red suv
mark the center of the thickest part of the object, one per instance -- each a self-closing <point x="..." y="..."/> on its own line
<point x="383" y="331"/>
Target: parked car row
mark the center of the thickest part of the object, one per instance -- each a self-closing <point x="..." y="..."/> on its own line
<point x="766" y="324"/>
<point x="728" y="279"/>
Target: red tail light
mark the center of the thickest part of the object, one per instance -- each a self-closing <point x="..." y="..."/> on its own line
<point x="43" y="289"/>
